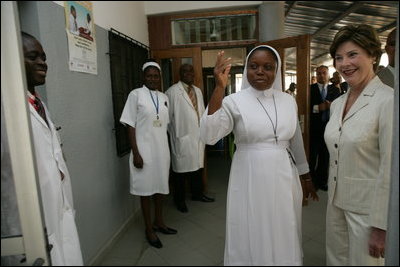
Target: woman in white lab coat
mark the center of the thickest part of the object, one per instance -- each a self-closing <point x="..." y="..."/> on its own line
<point x="54" y="179"/>
<point x="146" y="116"/>
<point x="263" y="225"/>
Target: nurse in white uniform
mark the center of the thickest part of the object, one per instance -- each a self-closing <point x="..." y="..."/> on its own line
<point x="146" y="116"/>
<point x="263" y="225"/>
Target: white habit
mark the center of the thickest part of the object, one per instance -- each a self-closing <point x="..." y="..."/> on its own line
<point x="264" y="202"/>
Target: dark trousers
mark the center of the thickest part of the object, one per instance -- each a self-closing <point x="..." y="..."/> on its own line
<point x="319" y="161"/>
<point x="196" y="184"/>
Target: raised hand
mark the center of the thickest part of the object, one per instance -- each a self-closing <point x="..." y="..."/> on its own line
<point x="221" y="74"/>
<point x="221" y="70"/>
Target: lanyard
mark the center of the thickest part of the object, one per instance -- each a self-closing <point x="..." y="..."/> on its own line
<point x="274" y="126"/>
<point x="154" y="102"/>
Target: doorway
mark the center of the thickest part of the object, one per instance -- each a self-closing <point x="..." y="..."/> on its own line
<point x="237" y="55"/>
<point x="295" y="55"/>
<point x="170" y="61"/>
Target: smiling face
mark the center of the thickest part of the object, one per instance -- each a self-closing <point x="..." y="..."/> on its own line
<point x="354" y="64"/>
<point x="261" y="69"/>
<point x="152" y="78"/>
<point x="35" y="63"/>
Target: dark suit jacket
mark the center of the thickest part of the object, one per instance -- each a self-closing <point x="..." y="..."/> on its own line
<point x="317" y="126"/>
<point x="344" y="86"/>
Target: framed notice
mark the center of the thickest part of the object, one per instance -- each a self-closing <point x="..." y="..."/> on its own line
<point x="81" y="36"/>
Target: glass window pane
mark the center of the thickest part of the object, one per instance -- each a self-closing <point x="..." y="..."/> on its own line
<point x="214" y="29"/>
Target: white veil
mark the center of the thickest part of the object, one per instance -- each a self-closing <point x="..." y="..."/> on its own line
<point x="277" y="85"/>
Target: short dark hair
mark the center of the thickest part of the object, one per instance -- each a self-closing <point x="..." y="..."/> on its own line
<point x="363" y="35"/>
<point x="26" y="36"/>
<point x="322" y="66"/>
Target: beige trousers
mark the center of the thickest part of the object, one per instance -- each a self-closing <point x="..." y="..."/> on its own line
<point x="347" y="236"/>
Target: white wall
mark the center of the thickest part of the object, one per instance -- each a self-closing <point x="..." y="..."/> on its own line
<point x="127" y="17"/>
<point x="159" y="7"/>
<point x="82" y="104"/>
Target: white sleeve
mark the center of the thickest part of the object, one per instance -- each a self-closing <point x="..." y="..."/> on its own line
<point x="214" y="127"/>
<point x="379" y="208"/>
<point x="297" y="147"/>
<point x="129" y="113"/>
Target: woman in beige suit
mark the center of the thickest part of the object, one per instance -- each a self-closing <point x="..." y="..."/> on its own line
<point x="358" y="137"/>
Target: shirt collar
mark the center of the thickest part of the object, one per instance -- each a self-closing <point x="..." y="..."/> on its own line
<point x="185" y="86"/>
<point x="32" y="96"/>
<point x="320" y="86"/>
<point x="258" y="93"/>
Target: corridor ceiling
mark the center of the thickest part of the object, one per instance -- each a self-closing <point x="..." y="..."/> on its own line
<point x="322" y="19"/>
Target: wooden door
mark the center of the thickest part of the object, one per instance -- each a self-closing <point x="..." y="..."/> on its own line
<point x="171" y="59"/>
<point x="301" y="46"/>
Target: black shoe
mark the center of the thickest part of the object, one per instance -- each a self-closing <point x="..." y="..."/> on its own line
<point x="203" y="198"/>
<point x="166" y="230"/>
<point x="181" y="206"/>
<point x="323" y="187"/>
<point x="155" y="243"/>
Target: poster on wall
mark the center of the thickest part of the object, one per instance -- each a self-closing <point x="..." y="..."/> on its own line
<point x="81" y="36"/>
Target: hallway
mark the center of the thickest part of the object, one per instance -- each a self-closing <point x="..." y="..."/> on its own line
<point x="201" y="231"/>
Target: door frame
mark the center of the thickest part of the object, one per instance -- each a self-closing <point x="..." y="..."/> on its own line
<point x="302" y="45"/>
<point x="33" y="243"/>
<point x="178" y="53"/>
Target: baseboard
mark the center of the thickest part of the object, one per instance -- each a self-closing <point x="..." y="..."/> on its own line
<point x="98" y="258"/>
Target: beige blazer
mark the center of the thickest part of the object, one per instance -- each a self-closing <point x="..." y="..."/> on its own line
<point x="387" y="77"/>
<point x="360" y="152"/>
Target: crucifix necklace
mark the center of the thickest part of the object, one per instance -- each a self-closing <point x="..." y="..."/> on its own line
<point x="274" y="127"/>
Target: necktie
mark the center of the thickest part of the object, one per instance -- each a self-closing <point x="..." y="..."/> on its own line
<point x="325" y="113"/>
<point x="323" y="93"/>
<point x="193" y="98"/>
<point x="40" y="109"/>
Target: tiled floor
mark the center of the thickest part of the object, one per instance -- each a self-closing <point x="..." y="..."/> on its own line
<point x="201" y="231"/>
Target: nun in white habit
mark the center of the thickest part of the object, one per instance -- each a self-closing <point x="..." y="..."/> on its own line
<point x="263" y="225"/>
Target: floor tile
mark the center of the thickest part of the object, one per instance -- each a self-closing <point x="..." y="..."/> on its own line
<point x="201" y="232"/>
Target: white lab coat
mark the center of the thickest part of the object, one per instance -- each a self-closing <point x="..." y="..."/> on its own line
<point x="56" y="194"/>
<point x="184" y="129"/>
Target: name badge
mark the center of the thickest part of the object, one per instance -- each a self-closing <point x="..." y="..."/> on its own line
<point x="157" y="123"/>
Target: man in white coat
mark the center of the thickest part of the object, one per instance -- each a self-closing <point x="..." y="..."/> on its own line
<point x="187" y="150"/>
<point x="54" y="180"/>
